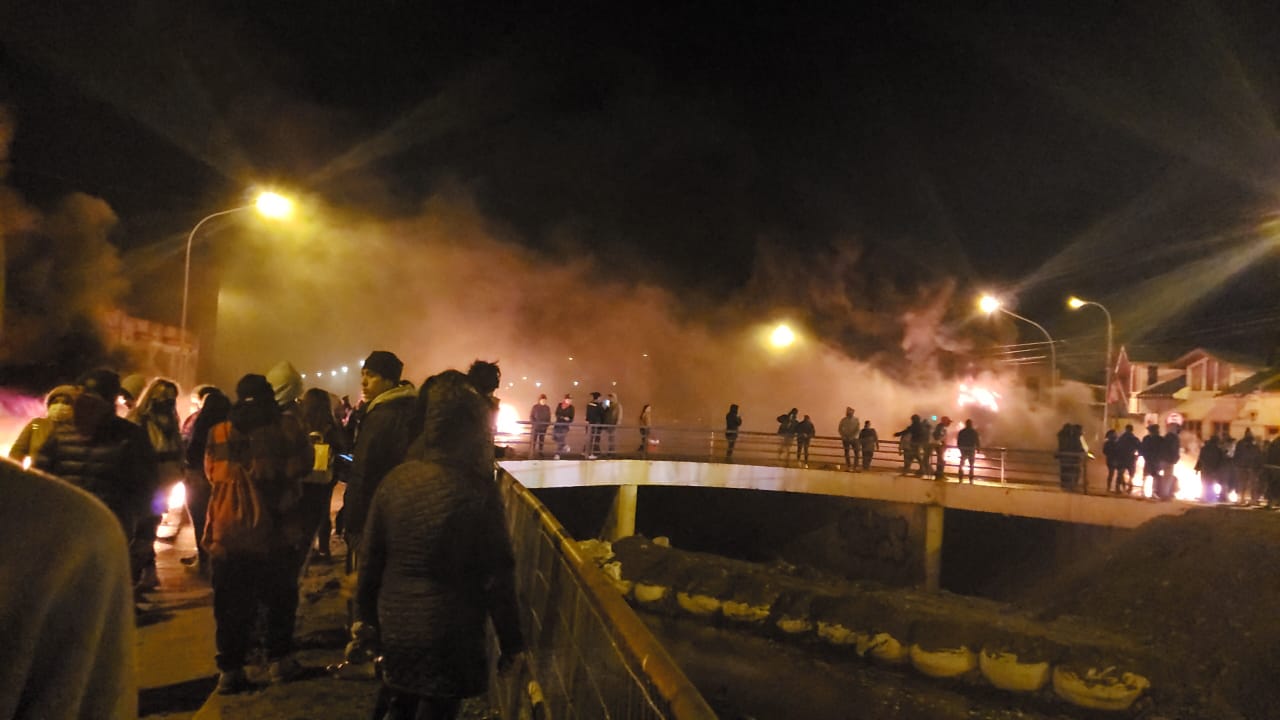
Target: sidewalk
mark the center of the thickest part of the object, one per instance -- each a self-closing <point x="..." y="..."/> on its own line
<point x="176" y="672"/>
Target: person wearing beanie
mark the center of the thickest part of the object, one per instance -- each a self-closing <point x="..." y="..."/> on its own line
<point x="287" y="383"/>
<point x="58" y="404"/>
<point x="104" y="454"/>
<point x="131" y="389"/>
<point x="255" y="566"/>
<point x="381" y="441"/>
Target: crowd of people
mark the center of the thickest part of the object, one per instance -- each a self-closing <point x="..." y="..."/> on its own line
<point x="428" y="550"/>
<point x="1244" y="471"/>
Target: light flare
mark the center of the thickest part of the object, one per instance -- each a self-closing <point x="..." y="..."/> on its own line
<point x="177" y="497"/>
<point x="782" y="336"/>
<point x="508" y="422"/>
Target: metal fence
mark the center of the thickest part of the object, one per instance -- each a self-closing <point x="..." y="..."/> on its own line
<point x="590" y="655"/>
<point x="998" y="464"/>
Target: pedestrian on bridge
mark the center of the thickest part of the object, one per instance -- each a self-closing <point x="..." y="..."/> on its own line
<point x="787" y="433"/>
<point x="595" y="420"/>
<point x="564" y="418"/>
<point x="732" y="421"/>
<point x="539" y="419"/>
<point x="804" y="435"/>
<point x="849" y="429"/>
<point x="938" y="445"/>
<point x="968" y="442"/>
<point x="869" y="442"/>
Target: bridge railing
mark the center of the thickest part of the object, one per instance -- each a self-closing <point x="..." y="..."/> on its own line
<point x="590" y="655"/>
<point x="998" y="464"/>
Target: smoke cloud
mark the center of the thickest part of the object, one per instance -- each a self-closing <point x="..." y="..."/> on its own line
<point x="61" y="275"/>
<point x="450" y="286"/>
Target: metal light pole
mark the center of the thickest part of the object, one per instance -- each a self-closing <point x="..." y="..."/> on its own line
<point x="268" y="204"/>
<point x="989" y="304"/>
<point x="1076" y="303"/>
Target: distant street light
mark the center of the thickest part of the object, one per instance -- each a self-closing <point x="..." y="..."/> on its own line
<point x="268" y="204"/>
<point x="990" y="304"/>
<point x="1076" y="303"/>
<point x="782" y="336"/>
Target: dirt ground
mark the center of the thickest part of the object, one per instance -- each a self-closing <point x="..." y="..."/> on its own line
<point x="1202" y="590"/>
<point x="1189" y="600"/>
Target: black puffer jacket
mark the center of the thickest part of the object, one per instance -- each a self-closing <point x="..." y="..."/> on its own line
<point x="437" y="558"/>
<point x="114" y="462"/>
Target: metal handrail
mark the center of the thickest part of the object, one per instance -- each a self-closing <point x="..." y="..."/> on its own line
<point x="1003" y="465"/>
<point x="666" y="691"/>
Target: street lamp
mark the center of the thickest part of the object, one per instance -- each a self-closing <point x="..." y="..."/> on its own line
<point x="268" y="204"/>
<point x="1076" y="303"/>
<point x="990" y="304"/>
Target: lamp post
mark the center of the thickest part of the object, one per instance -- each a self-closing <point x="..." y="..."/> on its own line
<point x="268" y="204"/>
<point x="989" y="304"/>
<point x="1076" y="303"/>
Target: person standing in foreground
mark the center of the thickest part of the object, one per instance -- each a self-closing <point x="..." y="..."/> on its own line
<point x="263" y="454"/>
<point x="438" y="562"/>
<point x="104" y="454"/>
<point x="69" y="639"/>
<point x="381" y="440"/>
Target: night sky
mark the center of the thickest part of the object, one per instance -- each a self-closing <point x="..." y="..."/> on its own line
<point x="1097" y="148"/>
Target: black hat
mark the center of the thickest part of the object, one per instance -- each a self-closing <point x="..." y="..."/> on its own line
<point x="385" y="364"/>
<point x="102" y="382"/>
<point x="255" y="388"/>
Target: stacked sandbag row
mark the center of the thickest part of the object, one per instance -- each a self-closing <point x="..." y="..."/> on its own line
<point x="940" y="636"/>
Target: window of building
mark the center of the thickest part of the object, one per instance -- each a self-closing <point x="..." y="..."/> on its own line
<point x="1220" y="427"/>
<point x="1153" y="374"/>
<point x="1196" y="373"/>
<point x="1194" y="426"/>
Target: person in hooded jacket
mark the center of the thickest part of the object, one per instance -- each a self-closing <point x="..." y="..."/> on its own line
<point x="215" y="407"/>
<point x="1247" y="463"/>
<point x="104" y="454"/>
<point x="1112" y="458"/>
<point x="58" y="412"/>
<point x="539" y="419"/>
<point x="787" y="423"/>
<point x="315" y="412"/>
<point x="438" y="562"/>
<point x="271" y="450"/>
<point x="156" y="411"/>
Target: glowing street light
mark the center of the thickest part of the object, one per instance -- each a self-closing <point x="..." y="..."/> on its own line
<point x="990" y="304"/>
<point x="267" y="204"/>
<point x="782" y="336"/>
<point x="1076" y="303"/>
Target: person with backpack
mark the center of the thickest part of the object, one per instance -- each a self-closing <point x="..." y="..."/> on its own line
<point x="255" y="462"/>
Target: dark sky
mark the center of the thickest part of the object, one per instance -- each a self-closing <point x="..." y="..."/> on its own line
<point x="1101" y="148"/>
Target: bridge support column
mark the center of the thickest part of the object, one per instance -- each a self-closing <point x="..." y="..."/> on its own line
<point x="622" y="519"/>
<point x="933" y="515"/>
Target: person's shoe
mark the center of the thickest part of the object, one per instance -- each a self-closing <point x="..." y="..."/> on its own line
<point x="284" y="670"/>
<point x="147" y="579"/>
<point x="231" y="682"/>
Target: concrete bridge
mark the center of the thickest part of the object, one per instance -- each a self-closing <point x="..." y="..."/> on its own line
<point x="595" y="657"/>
